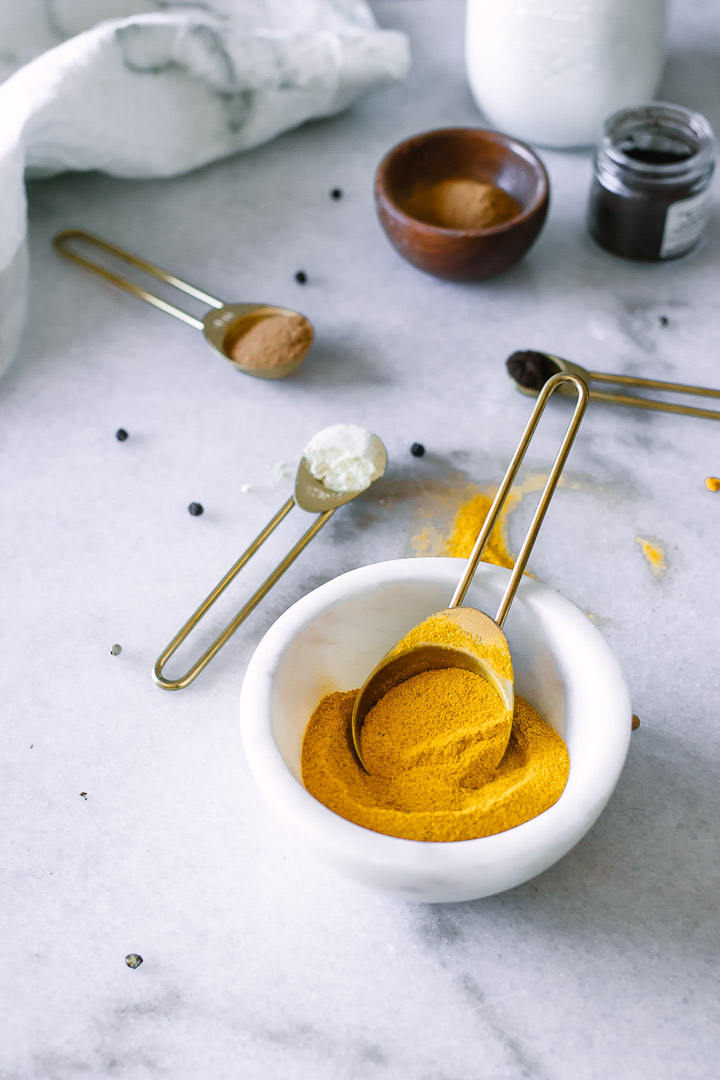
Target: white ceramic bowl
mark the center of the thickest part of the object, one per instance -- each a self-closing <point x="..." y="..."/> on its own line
<point x="335" y="635"/>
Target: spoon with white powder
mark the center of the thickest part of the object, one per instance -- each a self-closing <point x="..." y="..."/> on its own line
<point x="337" y="465"/>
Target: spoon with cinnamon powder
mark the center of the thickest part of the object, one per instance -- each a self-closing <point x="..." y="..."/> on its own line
<point x="258" y="339"/>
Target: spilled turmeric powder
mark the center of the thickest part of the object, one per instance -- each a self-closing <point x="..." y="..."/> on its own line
<point x="446" y="761"/>
<point x="654" y="554"/>
<point x="469" y="520"/>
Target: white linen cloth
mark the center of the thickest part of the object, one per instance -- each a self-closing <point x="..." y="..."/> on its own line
<point x="149" y="89"/>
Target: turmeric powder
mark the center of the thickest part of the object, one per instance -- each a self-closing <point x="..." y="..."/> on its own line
<point x="420" y="804"/>
<point x="440" y="628"/>
<point x="445" y="760"/>
<point x="470" y="519"/>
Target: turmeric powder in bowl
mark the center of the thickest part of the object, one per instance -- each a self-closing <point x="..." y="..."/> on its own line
<point x="445" y="761"/>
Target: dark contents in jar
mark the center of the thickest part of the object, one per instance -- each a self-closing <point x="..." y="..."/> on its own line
<point x="531" y="369"/>
<point x="655" y="149"/>
<point x="656" y="157"/>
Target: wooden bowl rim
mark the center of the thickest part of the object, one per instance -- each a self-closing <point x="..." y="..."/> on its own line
<point x="384" y="198"/>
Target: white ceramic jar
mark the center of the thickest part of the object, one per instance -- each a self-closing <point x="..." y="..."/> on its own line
<point x="551" y="71"/>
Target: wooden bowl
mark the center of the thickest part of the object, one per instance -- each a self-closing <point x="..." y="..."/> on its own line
<point x="461" y="153"/>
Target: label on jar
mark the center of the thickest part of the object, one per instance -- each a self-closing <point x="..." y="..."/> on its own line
<point x="684" y="224"/>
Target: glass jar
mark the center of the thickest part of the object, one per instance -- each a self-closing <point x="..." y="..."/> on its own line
<point x="650" y="198"/>
<point x="550" y="71"/>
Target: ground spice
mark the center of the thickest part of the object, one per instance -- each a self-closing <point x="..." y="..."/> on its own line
<point x="444" y="630"/>
<point x="654" y="554"/>
<point x="450" y="721"/>
<point x="445" y="759"/>
<point x="462" y="204"/>
<point x="271" y="341"/>
<point x="470" y="519"/>
<point x="421" y="803"/>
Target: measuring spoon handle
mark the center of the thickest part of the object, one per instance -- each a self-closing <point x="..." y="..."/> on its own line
<point x="62" y="244"/>
<point x="503" y="491"/>
<point x="655" y="406"/>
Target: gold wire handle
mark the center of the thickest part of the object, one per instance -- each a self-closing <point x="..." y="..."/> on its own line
<point x="659" y="406"/>
<point x="653" y="384"/>
<point x="568" y="367"/>
<point x="503" y="491"/>
<point x="199" y="665"/>
<point x="62" y="241"/>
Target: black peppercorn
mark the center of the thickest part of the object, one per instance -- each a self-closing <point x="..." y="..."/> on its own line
<point x="417" y="449"/>
<point x="301" y="277"/>
<point x="121" y="434"/>
<point x="196" y="509"/>
<point x="336" y="193"/>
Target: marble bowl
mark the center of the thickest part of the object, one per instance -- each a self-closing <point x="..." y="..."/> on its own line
<point x="331" y="639"/>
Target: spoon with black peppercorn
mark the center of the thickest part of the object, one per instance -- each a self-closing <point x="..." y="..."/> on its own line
<point x="530" y="371"/>
<point x="264" y="340"/>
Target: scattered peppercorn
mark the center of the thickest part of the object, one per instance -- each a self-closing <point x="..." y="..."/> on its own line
<point x="712" y="483"/>
<point x="664" y="320"/>
<point x="196" y="509"/>
<point x="301" y="277"/>
<point x="121" y="434"/>
<point x="635" y="721"/>
<point x="133" y="960"/>
<point x="336" y="193"/>
<point x="417" y="449"/>
<point x="83" y="795"/>
<point x="115" y="650"/>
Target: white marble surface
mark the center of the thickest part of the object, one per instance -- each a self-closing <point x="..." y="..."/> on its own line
<point x="257" y="961"/>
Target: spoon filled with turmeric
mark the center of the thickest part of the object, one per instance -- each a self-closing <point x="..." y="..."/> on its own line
<point x="463" y="637"/>
<point x="264" y="340"/>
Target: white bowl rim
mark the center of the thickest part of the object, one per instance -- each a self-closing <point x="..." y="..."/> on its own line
<point x="558" y="827"/>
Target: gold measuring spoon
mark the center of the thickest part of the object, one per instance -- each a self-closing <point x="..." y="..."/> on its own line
<point x="530" y="370"/>
<point x="224" y="326"/>
<point x="311" y="495"/>
<point x="494" y="661"/>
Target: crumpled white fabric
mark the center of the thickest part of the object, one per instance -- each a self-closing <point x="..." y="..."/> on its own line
<point x="159" y="88"/>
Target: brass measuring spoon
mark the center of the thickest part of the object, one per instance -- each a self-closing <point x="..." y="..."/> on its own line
<point x="529" y="370"/>
<point x="311" y="495"/>
<point x="223" y="326"/>
<point x="397" y="667"/>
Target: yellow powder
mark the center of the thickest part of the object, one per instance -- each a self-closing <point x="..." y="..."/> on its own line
<point x="441" y="629"/>
<point x="470" y="519"/>
<point x="654" y="554"/>
<point x="713" y="483"/>
<point x="450" y="721"/>
<point x="420" y="803"/>
<point x="445" y="759"/>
